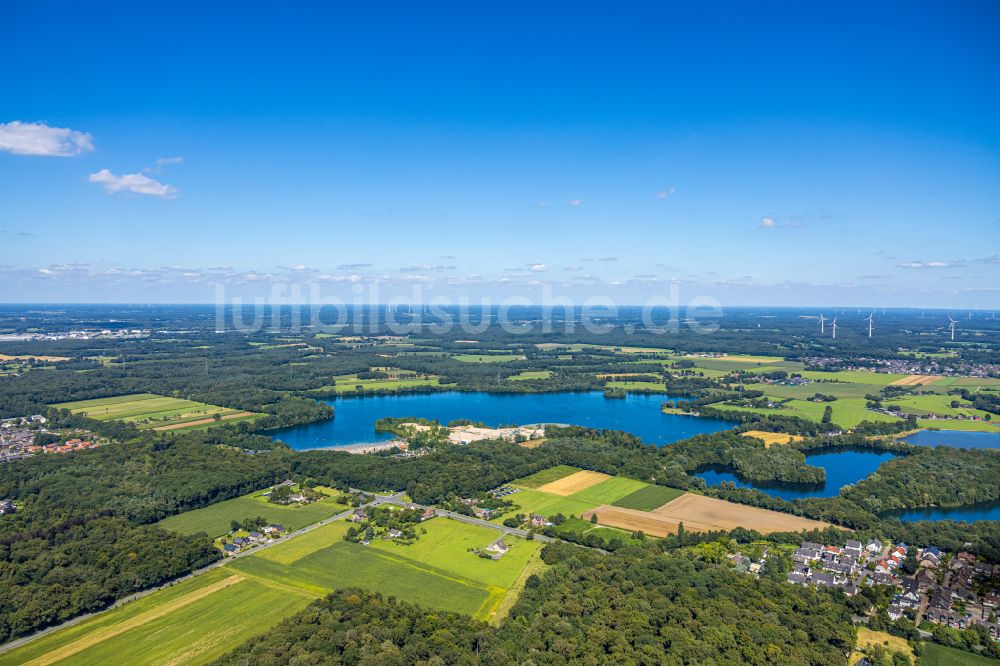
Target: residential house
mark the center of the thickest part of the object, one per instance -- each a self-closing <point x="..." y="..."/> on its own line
<point x="497" y="549"/>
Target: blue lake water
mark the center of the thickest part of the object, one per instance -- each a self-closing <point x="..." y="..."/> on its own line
<point x="639" y="415"/>
<point x="842" y="467"/>
<point x="969" y="513"/>
<point x="956" y="438"/>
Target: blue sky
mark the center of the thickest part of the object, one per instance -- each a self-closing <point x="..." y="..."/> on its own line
<point x="776" y="154"/>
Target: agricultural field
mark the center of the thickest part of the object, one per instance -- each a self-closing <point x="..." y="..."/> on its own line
<point x="772" y="438"/>
<point x="199" y="619"/>
<point x="487" y="358"/>
<point x="214" y="520"/>
<point x="923" y="405"/>
<point x="637" y="386"/>
<point x="648" y="498"/>
<point x="847" y="412"/>
<point x="351" y="383"/>
<point x="529" y="375"/>
<point x="156" y="412"/>
<point x="192" y="622"/>
<point x="34" y="357"/>
<point x="700" y="514"/>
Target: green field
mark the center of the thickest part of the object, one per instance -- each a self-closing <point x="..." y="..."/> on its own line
<point x="637" y="386"/>
<point x="351" y="383"/>
<point x="192" y="622"/>
<point x="214" y="519"/>
<point x="648" y="498"/>
<point x="487" y="358"/>
<point x="530" y="374"/>
<point x="974" y="426"/>
<point x="149" y="410"/>
<point x="546" y="476"/>
<point x="198" y="620"/>
<point x="847" y="412"/>
<point x="922" y="405"/>
<point x="610" y="491"/>
<point x="939" y="655"/>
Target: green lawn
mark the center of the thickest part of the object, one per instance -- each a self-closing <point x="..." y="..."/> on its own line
<point x="549" y="475"/>
<point x="214" y="519"/>
<point x="487" y="358"/>
<point x="610" y="490"/>
<point x="939" y="655"/>
<point x="847" y="412"/>
<point x="648" y="498"/>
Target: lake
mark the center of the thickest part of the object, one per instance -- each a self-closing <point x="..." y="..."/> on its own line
<point x="842" y="467"/>
<point x="639" y="415"/>
<point x="959" y="439"/>
<point x="970" y="513"/>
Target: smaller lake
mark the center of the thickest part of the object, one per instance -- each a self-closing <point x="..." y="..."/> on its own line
<point x="842" y="467"/>
<point x="969" y="513"/>
<point x="639" y="415"/>
<point x="959" y="439"/>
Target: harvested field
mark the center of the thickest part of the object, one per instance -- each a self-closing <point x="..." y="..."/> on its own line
<point x="644" y="521"/>
<point x="573" y="483"/>
<point x="700" y="514"/>
<point x="915" y="380"/>
<point x="698" y="509"/>
<point x="770" y="438"/>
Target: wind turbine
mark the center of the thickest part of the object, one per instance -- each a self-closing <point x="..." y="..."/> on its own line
<point x="822" y="321"/>
<point x="951" y="326"/>
<point x="834" y="325"/>
<point x="870" y="324"/>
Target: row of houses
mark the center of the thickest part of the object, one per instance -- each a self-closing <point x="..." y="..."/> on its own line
<point x="237" y="544"/>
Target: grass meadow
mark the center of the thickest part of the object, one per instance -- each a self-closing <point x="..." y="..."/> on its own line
<point x="214" y="520"/>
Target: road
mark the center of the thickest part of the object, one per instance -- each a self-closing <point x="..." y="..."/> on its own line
<point x="395" y="499"/>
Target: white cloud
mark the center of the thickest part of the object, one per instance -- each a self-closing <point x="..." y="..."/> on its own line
<point x="767" y="222"/>
<point x="575" y="202"/>
<point x="665" y="193"/>
<point x="170" y="160"/>
<point x="927" y="264"/>
<point x="537" y="268"/>
<point x="40" y="139"/>
<point x="133" y="182"/>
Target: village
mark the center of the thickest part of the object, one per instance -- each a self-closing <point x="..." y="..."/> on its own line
<point x="926" y="584"/>
<point x="23" y="437"/>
